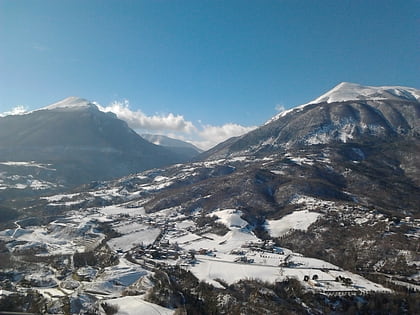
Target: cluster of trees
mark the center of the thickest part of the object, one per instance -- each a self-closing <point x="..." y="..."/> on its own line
<point x="216" y="227"/>
<point x="101" y="256"/>
<point x="177" y="288"/>
<point x="354" y="247"/>
<point x="32" y="302"/>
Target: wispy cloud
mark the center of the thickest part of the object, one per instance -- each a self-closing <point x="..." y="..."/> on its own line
<point x="175" y="126"/>
<point x="40" y="47"/>
<point x="18" y="110"/>
<point x="280" y="108"/>
<point x="212" y="135"/>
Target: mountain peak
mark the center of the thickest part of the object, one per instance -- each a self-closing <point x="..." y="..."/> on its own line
<point x="71" y="103"/>
<point x="346" y="91"/>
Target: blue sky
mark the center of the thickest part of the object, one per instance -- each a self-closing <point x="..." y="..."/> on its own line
<point x="213" y="64"/>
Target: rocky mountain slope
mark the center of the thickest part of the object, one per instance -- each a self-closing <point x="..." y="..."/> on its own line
<point x="343" y="115"/>
<point x="71" y="143"/>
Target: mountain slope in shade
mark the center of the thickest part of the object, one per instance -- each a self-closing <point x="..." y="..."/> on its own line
<point x="79" y="143"/>
<point x="375" y="115"/>
<point x="182" y="148"/>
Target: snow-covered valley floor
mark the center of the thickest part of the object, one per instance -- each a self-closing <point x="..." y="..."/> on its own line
<point x="171" y="239"/>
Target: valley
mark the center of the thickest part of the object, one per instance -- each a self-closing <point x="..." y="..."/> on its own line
<point x="315" y="212"/>
<point x="86" y="256"/>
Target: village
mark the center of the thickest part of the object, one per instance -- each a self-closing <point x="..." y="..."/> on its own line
<point x="102" y="252"/>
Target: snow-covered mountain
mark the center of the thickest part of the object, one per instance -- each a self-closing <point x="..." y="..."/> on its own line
<point x="349" y="113"/>
<point x="70" y="103"/>
<point x="346" y="91"/>
<point x="78" y="142"/>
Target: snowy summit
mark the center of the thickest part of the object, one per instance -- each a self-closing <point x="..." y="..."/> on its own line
<point x="346" y="91"/>
<point x="70" y="103"/>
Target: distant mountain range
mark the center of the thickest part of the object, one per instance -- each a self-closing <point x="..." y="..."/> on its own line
<point x="181" y="148"/>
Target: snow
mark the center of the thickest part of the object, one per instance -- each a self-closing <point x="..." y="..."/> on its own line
<point x="76" y="233"/>
<point x="157" y="187"/>
<point x="284" y="113"/>
<point x="113" y="280"/>
<point x="239" y="254"/>
<point x="129" y="227"/>
<point x="128" y="241"/>
<point x="160" y="178"/>
<point x="230" y="241"/>
<point x="210" y="269"/>
<point x="278" y="172"/>
<point x="301" y="161"/>
<point x="51" y="292"/>
<point x="40" y="185"/>
<point x="311" y="203"/>
<point x="134" y="305"/>
<point x="230" y="218"/>
<point x="346" y="91"/>
<point x="307" y="262"/>
<point x="184" y="238"/>
<point x="27" y="164"/>
<point x="5" y="292"/>
<point x="115" y="210"/>
<point x="298" y="220"/>
<point x="67" y="203"/>
<point x="69" y="103"/>
<point x="59" y="197"/>
<point x="20" y="186"/>
<point x="184" y="224"/>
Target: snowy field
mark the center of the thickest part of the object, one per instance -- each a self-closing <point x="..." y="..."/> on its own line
<point x="170" y="237"/>
<point x="297" y="220"/>
<point x="126" y="242"/>
<point x="76" y="233"/>
<point x="134" y="305"/>
<point x="113" y="280"/>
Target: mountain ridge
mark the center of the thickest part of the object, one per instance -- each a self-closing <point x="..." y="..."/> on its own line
<point x="182" y="148"/>
<point x="346" y="91"/>
<point x="81" y="143"/>
<point x="329" y="122"/>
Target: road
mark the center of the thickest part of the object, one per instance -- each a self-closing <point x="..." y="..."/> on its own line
<point x="18" y="227"/>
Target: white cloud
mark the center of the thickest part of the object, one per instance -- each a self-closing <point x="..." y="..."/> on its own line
<point x="280" y="108"/>
<point x="40" y="47"/>
<point x="18" y="110"/>
<point x="212" y="135"/>
<point x="175" y="126"/>
<point x="139" y="120"/>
